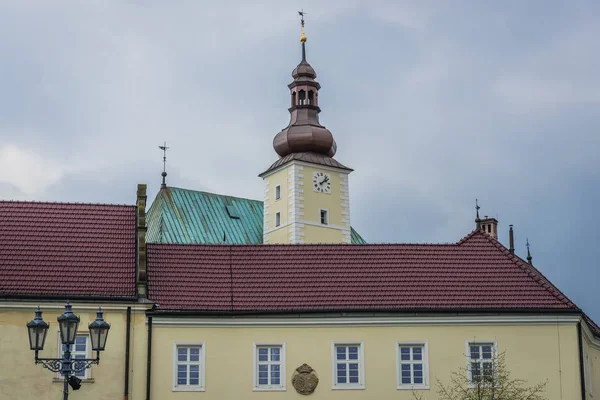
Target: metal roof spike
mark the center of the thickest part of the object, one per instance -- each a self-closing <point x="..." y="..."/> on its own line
<point x="164" y="148"/>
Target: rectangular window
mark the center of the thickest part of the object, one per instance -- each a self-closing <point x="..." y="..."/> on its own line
<point x="481" y="359"/>
<point x="324" y="217"/>
<point x="79" y="350"/>
<point x="277" y="192"/>
<point x="277" y="219"/>
<point x="188" y="367"/>
<point x="269" y="366"/>
<point x="412" y="366"/>
<point x="347" y="366"/>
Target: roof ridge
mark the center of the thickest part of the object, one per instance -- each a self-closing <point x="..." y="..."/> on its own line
<point x="530" y="270"/>
<point x="298" y="245"/>
<point x="66" y="203"/>
<point x="215" y="194"/>
<point x="465" y="238"/>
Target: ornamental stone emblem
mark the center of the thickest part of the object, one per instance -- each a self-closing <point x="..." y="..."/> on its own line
<point x="304" y="379"/>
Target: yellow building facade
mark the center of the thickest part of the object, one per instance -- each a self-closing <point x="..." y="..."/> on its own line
<point x="21" y="379"/>
<point x="537" y="349"/>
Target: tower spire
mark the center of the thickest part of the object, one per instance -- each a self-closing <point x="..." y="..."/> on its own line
<point x="302" y="36"/>
<point x="477" y="219"/>
<point x="304" y="134"/>
<point x="164" y="148"/>
<point x="529" y="258"/>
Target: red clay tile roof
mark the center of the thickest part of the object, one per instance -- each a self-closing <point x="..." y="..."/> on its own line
<point x="476" y="273"/>
<point x="66" y="249"/>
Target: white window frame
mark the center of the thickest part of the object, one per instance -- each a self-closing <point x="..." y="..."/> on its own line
<point x="361" y="366"/>
<point x="277" y="219"/>
<point x="326" y="216"/>
<point x="201" y="387"/>
<point x="88" y="346"/>
<point x="282" y="375"/>
<point x="424" y="361"/>
<point x="494" y="358"/>
<point x="587" y="372"/>
<point x="277" y="192"/>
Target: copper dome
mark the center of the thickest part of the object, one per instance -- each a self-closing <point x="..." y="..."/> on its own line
<point x="304" y="70"/>
<point x="303" y="138"/>
<point x="304" y="133"/>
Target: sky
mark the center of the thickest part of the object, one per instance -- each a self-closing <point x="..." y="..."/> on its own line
<point x="432" y="103"/>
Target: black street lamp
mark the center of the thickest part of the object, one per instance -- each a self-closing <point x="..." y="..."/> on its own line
<point x="68" y="324"/>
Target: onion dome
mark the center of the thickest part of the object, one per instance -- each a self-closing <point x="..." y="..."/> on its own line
<point x="304" y="132"/>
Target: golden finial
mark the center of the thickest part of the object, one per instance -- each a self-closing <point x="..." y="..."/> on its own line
<point x="302" y="36"/>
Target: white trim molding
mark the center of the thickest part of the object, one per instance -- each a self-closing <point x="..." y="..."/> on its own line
<point x="361" y="366"/>
<point x="459" y="320"/>
<point x="304" y="164"/>
<point x="424" y="361"/>
<point x="589" y="337"/>
<point x="282" y="374"/>
<point x="201" y="387"/>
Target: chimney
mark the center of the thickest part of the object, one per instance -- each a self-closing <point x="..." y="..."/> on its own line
<point x="511" y="240"/>
<point x="141" y="241"/>
<point x="490" y="226"/>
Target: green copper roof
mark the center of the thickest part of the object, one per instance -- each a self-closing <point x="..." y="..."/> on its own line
<point x="189" y="216"/>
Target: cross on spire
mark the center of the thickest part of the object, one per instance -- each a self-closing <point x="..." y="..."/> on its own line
<point x="164" y="148"/>
<point x="477" y="219"/>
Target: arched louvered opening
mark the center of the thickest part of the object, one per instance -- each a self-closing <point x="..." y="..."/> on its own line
<point x="302" y="97"/>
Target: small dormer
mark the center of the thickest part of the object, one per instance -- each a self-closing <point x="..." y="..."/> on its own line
<point x="490" y="226"/>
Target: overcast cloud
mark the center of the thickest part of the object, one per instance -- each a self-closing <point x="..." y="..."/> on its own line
<point x="432" y="103"/>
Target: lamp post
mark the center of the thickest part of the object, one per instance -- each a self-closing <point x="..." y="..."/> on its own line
<point x="68" y="324"/>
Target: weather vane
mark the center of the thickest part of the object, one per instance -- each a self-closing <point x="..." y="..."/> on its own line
<point x="301" y="13"/>
<point x="303" y="36"/>
<point x="164" y="148"/>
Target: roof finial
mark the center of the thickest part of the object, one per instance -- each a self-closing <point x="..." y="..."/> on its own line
<point x="477" y="219"/>
<point x="529" y="258"/>
<point x="302" y="36"/>
<point x="164" y="148"/>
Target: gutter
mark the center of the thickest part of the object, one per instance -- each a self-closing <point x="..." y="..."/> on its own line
<point x="149" y="359"/>
<point x="581" y="367"/>
<point x="83" y="298"/>
<point x="127" y="346"/>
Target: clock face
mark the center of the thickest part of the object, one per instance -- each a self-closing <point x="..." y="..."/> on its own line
<point x="321" y="182"/>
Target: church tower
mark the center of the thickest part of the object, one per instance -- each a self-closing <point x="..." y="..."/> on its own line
<point x="306" y="190"/>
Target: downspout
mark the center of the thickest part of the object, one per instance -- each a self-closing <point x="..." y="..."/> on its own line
<point x="149" y="361"/>
<point x="127" y="345"/>
<point x="581" y="370"/>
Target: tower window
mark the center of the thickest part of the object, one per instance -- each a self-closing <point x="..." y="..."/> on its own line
<point x="324" y="217"/>
<point x="278" y="192"/>
<point x="277" y="219"/>
<point x="311" y="97"/>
